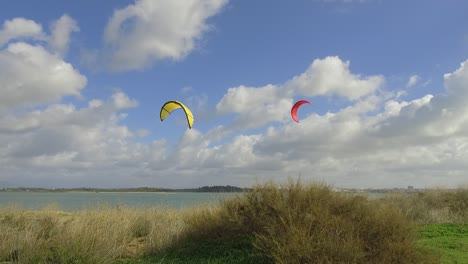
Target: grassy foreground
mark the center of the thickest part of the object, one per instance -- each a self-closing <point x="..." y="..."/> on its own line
<point x="450" y="241"/>
<point x="271" y="224"/>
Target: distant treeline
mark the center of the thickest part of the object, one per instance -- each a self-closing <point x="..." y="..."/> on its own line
<point x="216" y="188"/>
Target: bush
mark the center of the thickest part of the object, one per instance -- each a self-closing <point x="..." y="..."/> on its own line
<point x="313" y="224"/>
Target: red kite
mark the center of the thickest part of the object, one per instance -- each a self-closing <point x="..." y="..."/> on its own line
<point x="296" y="107"/>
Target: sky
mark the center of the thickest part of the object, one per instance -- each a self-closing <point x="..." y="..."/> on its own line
<point x="82" y="84"/>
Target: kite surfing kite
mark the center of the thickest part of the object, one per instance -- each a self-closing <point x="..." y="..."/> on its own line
<point x="296" y="107"/>
<point x="170" y="106"/>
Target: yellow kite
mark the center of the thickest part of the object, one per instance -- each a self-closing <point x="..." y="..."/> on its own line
<point x="170" y="106"/>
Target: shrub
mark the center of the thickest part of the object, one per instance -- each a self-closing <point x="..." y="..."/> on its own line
<point x="313" y="224"/>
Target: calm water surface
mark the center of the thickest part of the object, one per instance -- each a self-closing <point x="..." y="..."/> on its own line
<point x="71" y="201"/>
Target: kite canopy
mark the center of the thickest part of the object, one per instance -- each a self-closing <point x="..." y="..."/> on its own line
<point x="296" y="107"/>
<point x="170" y="106"/>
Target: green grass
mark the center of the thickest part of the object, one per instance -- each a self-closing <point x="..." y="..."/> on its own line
<point x="449" y="241"/>
<point x="235" y="250"/>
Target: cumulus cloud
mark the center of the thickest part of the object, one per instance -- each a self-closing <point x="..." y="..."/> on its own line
<point x="20" y="28"/>
<point x="332" y="76"/>
<point x="121" y="101"/>
<point x="418" y="142"/>
<point x="61" y="30"/>
<point x="376" y="140"/>
<point x="42" y="139"/>
<point x="148" y="31"/>
<point x="257" y="106"/>
<point x="35" y="74"/>
<point x="30" y="76"/>
<point x="82" y="138"/>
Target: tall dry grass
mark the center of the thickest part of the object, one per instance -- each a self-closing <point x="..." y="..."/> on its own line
<point x="100" y="235"/>
<point x="432" y="206"/>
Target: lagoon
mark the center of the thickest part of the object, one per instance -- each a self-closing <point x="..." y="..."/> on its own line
<point x="72" y="201"/>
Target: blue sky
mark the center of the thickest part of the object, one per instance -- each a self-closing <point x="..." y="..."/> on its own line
<point x="374" y="70"/>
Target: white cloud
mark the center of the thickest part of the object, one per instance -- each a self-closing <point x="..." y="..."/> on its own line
<point x="258" y="106"/>
<point x="455" y="82"/>
<point x="377" y="140"/>
<point x="412" y="81"/>
<point x="419" y="142"/>
<point x="20" y="28"/>
<point x="56" y="142"/>
<point x="413" y="142"/>
<point x="66" y="114"/>
<point x="61" y="30"/>
<point x="255" y="106"/>
<point x="31" y="76"/>
<point x="82" y="138"/>
<point x="148" y="31"/>
<point x="332" y="76"/>
<point x="242" y="99"/>
<point x="121" y="101"/>
<point x="35" y="74"/>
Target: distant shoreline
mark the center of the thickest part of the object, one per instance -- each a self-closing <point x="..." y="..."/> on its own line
<point x="204" y="189"/>
<point x="170" y="192"/>
<point x="108" y="192"/>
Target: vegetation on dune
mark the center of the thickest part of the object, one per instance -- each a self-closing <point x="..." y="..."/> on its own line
<point x="269" y="224"/>
<point x="313" y="224"/>
<point x="431" y="207"/>
<point x="94" y="236"/>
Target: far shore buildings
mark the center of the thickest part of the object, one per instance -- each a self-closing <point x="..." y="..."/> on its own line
<point x="410" y="188"/>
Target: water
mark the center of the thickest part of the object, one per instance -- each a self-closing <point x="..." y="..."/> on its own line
<point x="71" y="201"/>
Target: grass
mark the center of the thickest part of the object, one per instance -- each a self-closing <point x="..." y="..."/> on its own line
<point x="449" y="241"/>
<point x="237" y="250"/>
<point x="94" y="236"/>
<point x="294" y="223"/>
<point x="432" y="207"/>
